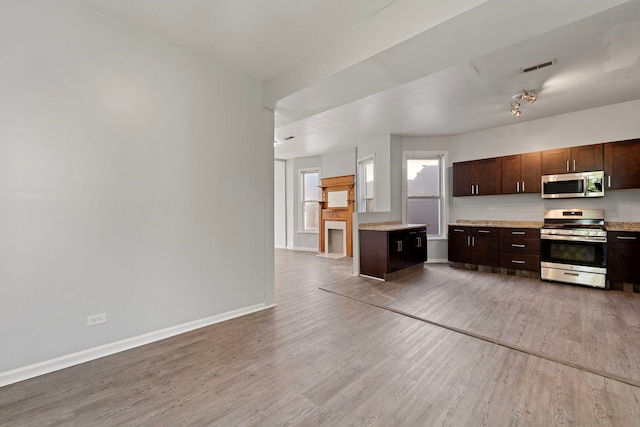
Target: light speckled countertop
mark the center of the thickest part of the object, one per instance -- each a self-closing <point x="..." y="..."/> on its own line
<point x="492" y="223"/>
<point x="390" y="227"/>
<point x="622" y="226"/>
<point x="610" y="226"/>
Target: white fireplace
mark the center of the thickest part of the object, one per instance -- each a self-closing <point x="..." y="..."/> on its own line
<point x="335" y="237"/>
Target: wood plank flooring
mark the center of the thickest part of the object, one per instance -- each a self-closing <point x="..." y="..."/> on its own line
<point x="323" y="359"/>
<point x="594" y="329"/>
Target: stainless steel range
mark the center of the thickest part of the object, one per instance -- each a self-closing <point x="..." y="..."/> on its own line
<point x="573" y="247"/>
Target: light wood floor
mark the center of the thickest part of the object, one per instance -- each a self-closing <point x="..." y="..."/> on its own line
<point x="320" y="358"/>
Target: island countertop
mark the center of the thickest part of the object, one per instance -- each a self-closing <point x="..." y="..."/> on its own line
<point x="391" y="227"/>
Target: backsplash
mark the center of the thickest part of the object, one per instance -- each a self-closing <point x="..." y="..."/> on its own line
<point x="619" y="206"/>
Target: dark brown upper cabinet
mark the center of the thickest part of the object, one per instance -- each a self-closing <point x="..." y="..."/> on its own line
<point x="584" y="158"/>
<point x="622" y="164"/>
<point x="477" y="177"/>
<point x="521" y="173"/>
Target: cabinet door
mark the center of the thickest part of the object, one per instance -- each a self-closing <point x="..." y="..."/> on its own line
<point x="555" y="161"/>
<point x="459" y="244"/>
<point x="488" y="173"/>
<point x="624" y="257"/>
<point x="463" y="176"/>
<point x="398" y="250"/>
<point x="484" y="245"/>
<point x="530" y="175"/>
<point x="418" y="245"/>
<point x="511" y="172"/>
<point x="587" y="158"/>
<point x="621" y="162"/>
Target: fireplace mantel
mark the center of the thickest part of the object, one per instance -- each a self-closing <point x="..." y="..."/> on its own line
<point x="337" y="213"/>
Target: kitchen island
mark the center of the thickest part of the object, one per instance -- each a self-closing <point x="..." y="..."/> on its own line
<point x="388" y="248"/>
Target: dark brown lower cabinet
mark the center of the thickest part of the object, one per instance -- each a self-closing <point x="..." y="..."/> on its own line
<point x="385" y="251"/>
<point x="623" y="260"/>
<point x="460" y="244"/>
<point x="473" y="245"/>
<point x="520" y="248"/>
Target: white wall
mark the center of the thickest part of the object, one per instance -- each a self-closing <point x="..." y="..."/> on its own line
<point x="340" y="163"/>
<point x="603" y="124"/>
<point x="135" y="180"/>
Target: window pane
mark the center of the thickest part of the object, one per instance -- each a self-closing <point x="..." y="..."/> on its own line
<point x="424" y="211"/>
<point x="368" y="173"/>
<point x="310" y="186"/>
<point x="423" y="177"/>
<point x="369" y="205"/>
<point x="310" y="216"/>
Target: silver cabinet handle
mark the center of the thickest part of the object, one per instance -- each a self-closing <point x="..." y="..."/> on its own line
<point x="473" y="241"/>
<point x="517" y="245"/>
<point x="468" y="240"/>
<point x="567" y="165"/>
<point x="459" y="230"/>
<point x="574" y="165"/>
<point x="484" y="231"/>
<point x="609" y="179"/>
<point x="518" y="232"/>
<point x="626" y="237"/>
<point x="419" y="242"/>
<point x="518" y="187"/>
<point x="399" y="245"/>
<point x="477" y="189"/>
<point x="515" y="261"/>
<point x="523" y="186"/>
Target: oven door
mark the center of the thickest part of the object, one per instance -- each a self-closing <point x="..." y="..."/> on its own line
<point x="574" y="250"/>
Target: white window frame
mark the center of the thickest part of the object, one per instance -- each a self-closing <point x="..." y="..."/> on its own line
<point x="301" y="173"/>
<point x="361" y="185"/>
<point x="443" y="156"/>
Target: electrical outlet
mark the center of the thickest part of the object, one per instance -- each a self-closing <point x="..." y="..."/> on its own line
<point x="96" y="319"/>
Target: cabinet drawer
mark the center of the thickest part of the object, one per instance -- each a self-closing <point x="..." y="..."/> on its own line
<point x="520" y="245"/>
<point x="520" y="232"/>
<point x="520" y="261"/>
<point x="455" y="229"/>
<point x="484" y="231"/>
<point x="614" y="237"/>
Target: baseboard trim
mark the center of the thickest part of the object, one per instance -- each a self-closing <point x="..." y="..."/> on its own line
<point x="295" y="248"/>
<point x="437" y="261"/>
<point x="62" y="362"/>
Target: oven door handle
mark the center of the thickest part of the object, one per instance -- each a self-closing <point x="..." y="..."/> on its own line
<point x="588" y="239"/>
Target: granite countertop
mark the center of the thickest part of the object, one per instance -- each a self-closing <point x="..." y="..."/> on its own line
<point x="390" y="227"/>
<point x="622" y="226"/>
<point x="502" y="224"/>
<point x="610" y="226"/>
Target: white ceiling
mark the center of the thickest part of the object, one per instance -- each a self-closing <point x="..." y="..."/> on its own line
<point x="342" y="73"/>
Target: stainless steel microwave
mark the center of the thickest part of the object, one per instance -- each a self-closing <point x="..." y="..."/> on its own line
<point x="568" y="185"/>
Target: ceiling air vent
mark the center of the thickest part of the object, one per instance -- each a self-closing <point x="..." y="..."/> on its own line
<point x="537" y="67"/>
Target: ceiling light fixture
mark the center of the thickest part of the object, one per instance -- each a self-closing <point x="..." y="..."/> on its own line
<point x="525" y="95"/>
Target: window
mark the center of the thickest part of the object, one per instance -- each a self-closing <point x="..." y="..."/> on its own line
<point x="366" y="184"/>
<point x="309" y="183"/>
<point x="424" y="191"/>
